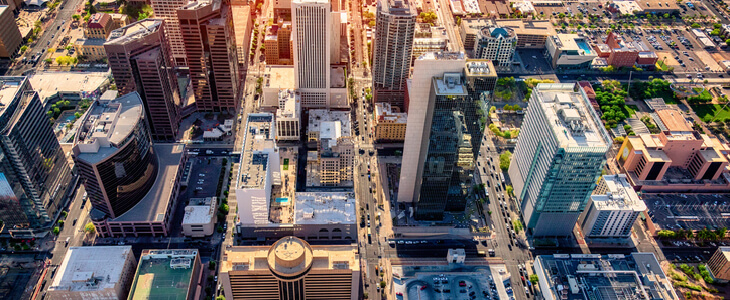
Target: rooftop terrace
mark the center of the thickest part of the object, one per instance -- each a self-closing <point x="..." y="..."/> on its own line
<point x="163" y="274"/>
<point x="325" y="208"/>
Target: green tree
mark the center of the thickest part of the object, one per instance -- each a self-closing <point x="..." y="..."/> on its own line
<point x="211" y="265"/>
<point x="721" y="232"/>
<point x="504" y="160"/>
<point x="56" y="230"/>
<point x="510" y="190"/>
<point x="534" y="279"/>
<point x="90" y="228"/>
<point x="221" y="297"/>
<point x="382" y="284"/>
<point x="695" y="25"/>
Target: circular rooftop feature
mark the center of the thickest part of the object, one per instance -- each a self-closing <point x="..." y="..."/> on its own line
<point x="290" y="258"/>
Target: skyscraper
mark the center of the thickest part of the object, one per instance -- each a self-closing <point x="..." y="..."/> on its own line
<point x="444" y="137"/>
<point x="34" y="173"/>
<point x="394" y="31"/>
<point x="139" y="57"/>
<point x="311" y="22"/>
<point x="558" y="158"/>
<point x="167" y="10"/>
<point x="210" y="44"/>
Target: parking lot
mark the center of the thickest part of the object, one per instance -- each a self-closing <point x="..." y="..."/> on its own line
<point x="204" y="176"/>
<point x="689" y="212"/>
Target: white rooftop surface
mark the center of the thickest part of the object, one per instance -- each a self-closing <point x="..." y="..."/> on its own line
<point x="104" y="263"/>
<point x="319" y="116"/>
<point x="260" y="132"/>
<point x="324" y="208"/>
<point x="332" y="131"/>
<point x="291" y="107"/>
<point x="9" y="86"/>
<point x="279" y="77"/>
<point x="385" y="112"/>
<point x="450" y="84"/>
<point x="622" y="195"/>
<point x="564" y="99"/>
<point x="154" y="205"/>
<point x="49" y="83"/>
<point x="106" y="124"/>
<point x="200" y="213"/>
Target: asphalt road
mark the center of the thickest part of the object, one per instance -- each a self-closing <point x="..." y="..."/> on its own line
<point x="512" y="251"/>
<point x="49" y="35"/>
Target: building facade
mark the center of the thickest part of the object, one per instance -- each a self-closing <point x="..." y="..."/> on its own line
<point x="497" y="44"/>
<point x="167" y="10"/>
<point x="559" y="156"/>
<point x="311" y="22"/>
<point x="719" y="264"/>
<point x="569" y="51"/>
<point x="390" y="125"/>
<point x="291" y="268"/>
<point x="139" y="58"/>
<point x="452" y="130"/>
<point x="392" y="50"/>
<point x="114" y="155"/>
<point x="612" y="210"/>
<point x="100" y="25"/>
<point x="35" y="177"/>
<point x="210" y="44"/>
<point x="288" y="116"/>
<point x="10" y="38"/>
<point x="200" y="217"/>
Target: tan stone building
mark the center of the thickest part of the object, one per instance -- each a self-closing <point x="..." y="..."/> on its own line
<point x="390" y="125"/>
<point x="291" y="269"/>
<point x="10" y="38"/>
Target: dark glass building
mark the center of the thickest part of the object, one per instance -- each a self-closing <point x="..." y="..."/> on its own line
<point x="34" y="173"/>
<point x="114" y="156"/>
<point x="454" y="127"/>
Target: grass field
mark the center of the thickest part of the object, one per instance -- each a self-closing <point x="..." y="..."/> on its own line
<point x="286" y="164"/>
<point x="709" y="110"/>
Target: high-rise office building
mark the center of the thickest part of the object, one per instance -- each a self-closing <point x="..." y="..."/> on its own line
<point x="559" y="156"/>
<point x="311" y="22"/>
<point x="167" y="10"/>
<point x="34" y="173"/>
<point x="210" y="44"/>
<point x="291" y="269"/>
<point x="139" y="57"/>
<point x="394" y="32"/>
<point x="497" y="44"/>
<point x="114" y="155"/>
<point x="448" y="133"/>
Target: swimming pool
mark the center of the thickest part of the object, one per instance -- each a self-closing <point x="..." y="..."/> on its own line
<point x="584" y="46"/>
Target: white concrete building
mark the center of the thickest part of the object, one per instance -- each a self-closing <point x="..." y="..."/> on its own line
<point x="94" y="273"/>
<point x="569" y="51"/>
<point x="419" y="89"/>
<point x="288" y="116"/>
<point x="497" y="44"/>
<point x="200" y="217"/>
<point x="559" y="156"/>
<point x="613" y="209"/>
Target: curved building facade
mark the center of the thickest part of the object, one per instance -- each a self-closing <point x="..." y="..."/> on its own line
<point x="114" y="155"/>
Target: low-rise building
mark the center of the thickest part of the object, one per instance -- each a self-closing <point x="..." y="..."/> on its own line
<point x="99" y="272"/>
<point x="678" y="159"/>
<point x="612" y="210"/>
<point x="531" y="34"/>
<point x="658" y="6"/>
<point x="200" y="217"/>
<point x="390" y="125"/>
<point x="470" y="29"/>
<point x="330" y="134"/>
<point x="275" y="79"/>
<point x="578" y="276"/>
<point x="569" y="51"/>
<point x="99" y="26"/>
<point x="291" y="265"/>
<point x="91" y="49"/>
<point x="10" y="37"/>
<point x="170" y="274"/>
<point x="719" y="264"/>
<point x="288" y="116"/>
<point x="278" y="44"/>
<point x="619" y="53"/>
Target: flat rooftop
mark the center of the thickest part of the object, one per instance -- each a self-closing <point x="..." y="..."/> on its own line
<point x="9" y="88"/>
<point x="324" y="257"/>
<point x="486" y="280"/>
<point x="595" y="276"/>
<point x="528" y="27"/>
<point x="200" y="210"/>
<point x="281" y="77"/>
<point x="106" y="124"/>
<point x="384" y="113"/>
<point x="153" y="206"/>
<point x="156" y="277"/>
<point x="259" y="136"/>
<point x="570" y="116"/>
<point x="673" y="120"/>
<point x="324" y="208"/>
<point x="48" y="84"/>
<point x="449" y="84"/>
<point x="292" y="104"/>
<point x="573" y="42"/>
<point x="480" y="67"/>
<point x="620" y="195"/>
<point x="318" y="117"/>
<point x="87" y="269"/>
<point x="442" y="56"/>
<point x="134" y="31"/>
